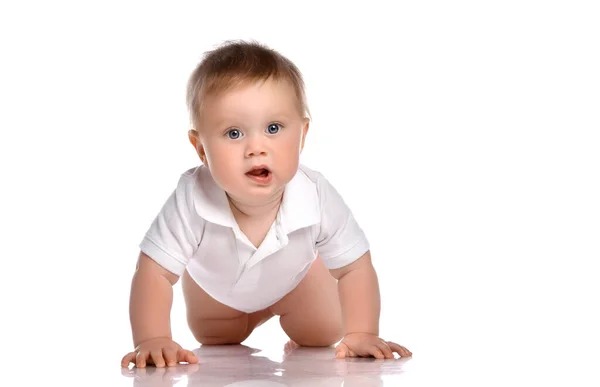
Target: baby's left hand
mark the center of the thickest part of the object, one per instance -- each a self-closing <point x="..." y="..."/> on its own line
<point x="366" y="345"/>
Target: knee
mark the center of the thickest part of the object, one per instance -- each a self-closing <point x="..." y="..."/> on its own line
<point x="221" y="332"/>
<point x="228" y="338"/>
<point x="318" y="341"/>
<point x="325" y="338"/>
<point x="207" y="340"/>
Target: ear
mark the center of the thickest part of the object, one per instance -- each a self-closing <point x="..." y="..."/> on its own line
<point x="194" y="138"/>
<point x="304" y="132"/>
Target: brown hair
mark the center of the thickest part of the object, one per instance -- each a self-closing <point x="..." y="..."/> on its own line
<point x="236" y="63"/>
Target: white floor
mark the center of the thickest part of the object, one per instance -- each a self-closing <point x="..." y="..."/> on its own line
<point x="266" y="359"/>
<point x="83" y="346"/>
<point x="246" y="366"/>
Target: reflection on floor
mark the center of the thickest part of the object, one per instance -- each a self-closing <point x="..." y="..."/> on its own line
<point x="243" y="366"/>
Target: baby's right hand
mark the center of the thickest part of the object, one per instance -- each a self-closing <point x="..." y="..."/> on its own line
<point x="158" y="351"/>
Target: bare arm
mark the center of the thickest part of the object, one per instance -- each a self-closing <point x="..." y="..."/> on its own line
<point x="150" y="300"/>
<point x="150" y="315"/>
<point x="358" y="287"/>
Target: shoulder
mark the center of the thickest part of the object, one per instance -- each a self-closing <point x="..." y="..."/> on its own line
<point x="194" y="180"/>
<point x="187" y="183"/>
<point x="190" y="189"/>
<point x="324" y="188"/>
<point x="193" y="175"/>
<point x="310" y="173"/>
<point x="314" y="176"/>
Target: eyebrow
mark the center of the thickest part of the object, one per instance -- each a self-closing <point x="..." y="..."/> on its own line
<point x="221" y="123"/>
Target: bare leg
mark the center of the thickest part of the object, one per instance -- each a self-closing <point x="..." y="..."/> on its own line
<point x="311" y="314"/>
<point x="213" y="323"/>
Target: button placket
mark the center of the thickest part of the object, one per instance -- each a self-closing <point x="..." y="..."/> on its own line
<point x="243" y="256"/>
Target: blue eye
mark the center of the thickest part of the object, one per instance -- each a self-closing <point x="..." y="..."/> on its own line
<point x="273" y="128"/>
<point x="234" y="134"/>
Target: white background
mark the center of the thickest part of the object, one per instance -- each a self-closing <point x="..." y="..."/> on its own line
<point x="464" y="135"/>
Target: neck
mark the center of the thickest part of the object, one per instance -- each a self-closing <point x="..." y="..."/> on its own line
<point x="253" y="210"/>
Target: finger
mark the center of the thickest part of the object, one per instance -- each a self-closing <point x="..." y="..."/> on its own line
<point x="376" y="352"/>
<point x="140" y="359"/>
<point x="170" y="356"/>
<point x="129" y="358"/>
<point x="405" y="352"/>
<point x="341" y="351"/>
<point x="386" y="350"/>
<point x="402" y="351"/>
<point x="157" y="358"/>
<point x="187" y="356"/>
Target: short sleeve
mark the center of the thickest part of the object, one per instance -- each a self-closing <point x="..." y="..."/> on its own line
<point x="173" y="236"/>
<point x="340" y="241"/>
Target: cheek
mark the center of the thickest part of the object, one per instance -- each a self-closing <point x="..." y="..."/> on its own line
<point x="223" y="166"/>
<point x="216" y="152"/>
<point x="222" y="158"/>
<point x="291" y="139"/>
<point x="289" y="152"/>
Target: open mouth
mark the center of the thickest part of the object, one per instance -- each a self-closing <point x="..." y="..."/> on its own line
<point x="260" y="174"/>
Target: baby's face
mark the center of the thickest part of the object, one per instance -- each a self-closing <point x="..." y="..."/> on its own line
<point x="251" y="138"/>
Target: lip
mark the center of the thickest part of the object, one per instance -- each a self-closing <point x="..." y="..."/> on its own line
<point x="261" y="180"/>
<point x="262" y="166"/>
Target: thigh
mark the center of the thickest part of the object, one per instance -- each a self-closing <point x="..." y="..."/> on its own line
<point x="212" y="322"/>
<point x="311" y="314"/>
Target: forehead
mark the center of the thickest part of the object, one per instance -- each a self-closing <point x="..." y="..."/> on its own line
<point x="269" y="97"/>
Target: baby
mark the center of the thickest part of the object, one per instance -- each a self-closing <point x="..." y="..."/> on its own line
<point x="251" y="232"/>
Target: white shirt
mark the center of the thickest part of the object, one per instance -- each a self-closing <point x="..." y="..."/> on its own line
<point x="196" y="230"/>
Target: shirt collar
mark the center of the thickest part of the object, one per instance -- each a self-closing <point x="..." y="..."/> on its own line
<point x="210" y="200"/>
<point x="300" y="206"/>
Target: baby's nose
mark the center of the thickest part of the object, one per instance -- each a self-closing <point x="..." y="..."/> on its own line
<point x="255" y="148"/>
